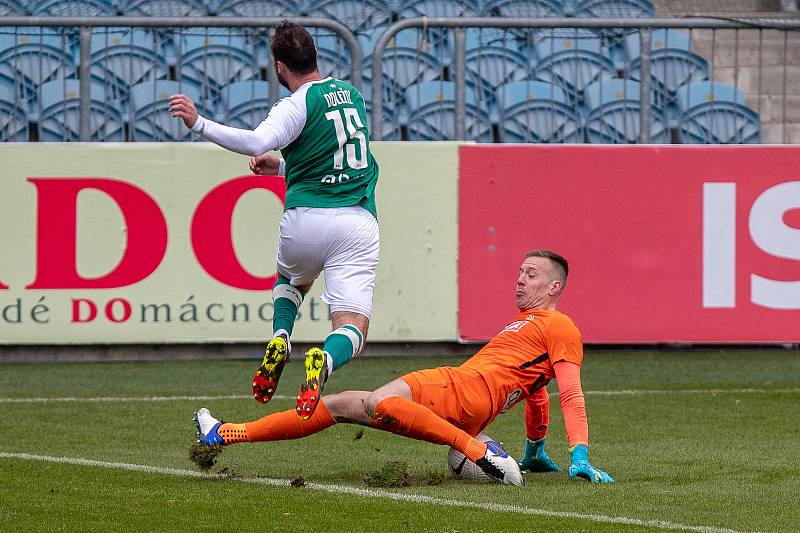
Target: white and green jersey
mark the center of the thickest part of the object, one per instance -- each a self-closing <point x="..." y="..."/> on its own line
<point x="321" y="130"/>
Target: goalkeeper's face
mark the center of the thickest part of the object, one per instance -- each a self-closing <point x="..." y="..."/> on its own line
<point x="538" y="285"/>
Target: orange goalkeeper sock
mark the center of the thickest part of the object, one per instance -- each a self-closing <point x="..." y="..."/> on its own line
<point x="410" y="419"/>
<point x="277" y="426"/>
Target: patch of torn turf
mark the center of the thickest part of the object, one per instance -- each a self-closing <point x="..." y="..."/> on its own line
<point x="393" y="474"/>
<point x="434" y="477"/>
<point x="204" y="456"/>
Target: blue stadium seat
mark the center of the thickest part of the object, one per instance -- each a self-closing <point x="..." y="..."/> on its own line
<point x="59" y="113"/>
<point x="12" y="7"/>
<point x="715" y="113"/>
<point x="614" y="114"/>
<point x="75" y="8"/>
<point x="256" y="8"/>
<point x="390" y="128"/>
<point x="33" y="56"/>
<point x="13" y="117"/>
<point x="211" y="61"/>
<point x="333" y="55"/>
<point x="533" y="111"/>
<point x="492" y="58"/>
<point x="408" y="58"/>
<point x="431" y="113"/>
<point x="523" y="8"/>
<point x="164" y="8"/>
<point x="152" y="121"/>
<point x="614" y="8"/>
<point x="672" y="62"/>
<point x="572" y="62"/>
<point x="245" y="104"/>
<point x="440" y="8"/>
<point x="121" y="58"/>
<point x="357" y="15"/>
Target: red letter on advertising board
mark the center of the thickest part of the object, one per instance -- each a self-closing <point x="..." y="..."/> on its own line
<point x="56" y="234"/>
<point x="76" y="310"/>
<point x="126" y="310"/>
<point x="211" y="231"/>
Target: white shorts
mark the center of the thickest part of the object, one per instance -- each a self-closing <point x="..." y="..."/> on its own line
<point x="343" y="242"/>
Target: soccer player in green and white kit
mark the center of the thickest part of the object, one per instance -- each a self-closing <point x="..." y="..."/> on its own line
<point x="329" y="223"/>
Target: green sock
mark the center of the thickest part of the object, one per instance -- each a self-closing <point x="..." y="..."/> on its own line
<point x="342" y="344"/>
<point x="286" y="301"/>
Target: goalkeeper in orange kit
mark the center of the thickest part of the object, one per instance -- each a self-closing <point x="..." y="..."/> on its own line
<point x="450" y="405"/>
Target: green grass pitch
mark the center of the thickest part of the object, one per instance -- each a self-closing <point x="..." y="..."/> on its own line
<point x="700" y="440"/>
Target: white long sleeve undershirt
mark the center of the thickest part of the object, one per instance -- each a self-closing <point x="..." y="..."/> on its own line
<point x="283" y="125"/>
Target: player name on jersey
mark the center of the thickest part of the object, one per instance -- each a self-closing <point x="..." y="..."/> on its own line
<point x="338" y="98"/>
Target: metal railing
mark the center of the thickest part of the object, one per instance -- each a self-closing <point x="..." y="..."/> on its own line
<point x="644" y="26"/>
<point x="771" y="81"/>
<point x="86" y="25"/>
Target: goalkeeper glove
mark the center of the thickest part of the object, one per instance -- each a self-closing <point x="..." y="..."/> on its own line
<point x="581" y="467"/>
<point x="536" y="459"/>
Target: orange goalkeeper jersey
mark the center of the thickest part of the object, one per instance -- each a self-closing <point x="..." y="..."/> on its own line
<point x="519" y="360"/>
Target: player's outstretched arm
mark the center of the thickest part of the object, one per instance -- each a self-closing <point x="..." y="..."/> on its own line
<point x="580" y="466"/>
<point x="246" y="142"/>
<point x="573" y="406"/>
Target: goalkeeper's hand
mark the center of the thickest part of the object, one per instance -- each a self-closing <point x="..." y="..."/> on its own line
<point x="536" y="459"/>
<point x="581" y="467"/>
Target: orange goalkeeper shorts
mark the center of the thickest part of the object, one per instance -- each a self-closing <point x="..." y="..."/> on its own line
<point x="458" y="395"/>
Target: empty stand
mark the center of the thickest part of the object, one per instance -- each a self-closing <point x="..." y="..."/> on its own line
<point x="212" y="61"/>
<point x="75" y="8"/>
<point x="614" y="114"/>
<point x="357" y="15"/>
<point x="59" y="113"/>
<point x="256" y="8"/>
<point x="715" y="113"/>
<point x="333" y="55"/>
<point x="523" y="8"/>
<point x="390" y="128"/>
<point x="32" y="56"/>
<point x="409" y="57"/>
<point x="151" y="120"/>
<point x="13" y="117"/>
<point x="672" y="62"/>
<point x="614" y="8"/>
<point x="431" y="113"/>
<point x="572" y="62"/>
<point x="164" y="8"/>
<point x="440" y="8"/>
<point x="535" y="111"/>
<point x="492" y="58"/>
<point x="246" y="103"/>
<point x="11" y="7"/>
<point x="122" y="58"/>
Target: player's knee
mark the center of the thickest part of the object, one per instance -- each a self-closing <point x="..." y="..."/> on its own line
<point x="370" y="403"/>
<point x="395" y="389"/>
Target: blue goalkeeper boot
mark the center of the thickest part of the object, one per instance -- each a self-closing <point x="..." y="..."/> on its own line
<point x="497" y="464"/>
<point x="207" y="427"/>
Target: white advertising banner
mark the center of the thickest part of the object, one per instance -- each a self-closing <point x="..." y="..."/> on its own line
<point x="150" y="243"/>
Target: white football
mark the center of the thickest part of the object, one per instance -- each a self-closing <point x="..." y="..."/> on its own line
<point x="463" y="468"/>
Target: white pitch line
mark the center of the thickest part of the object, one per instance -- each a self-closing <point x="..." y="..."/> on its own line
<point x="626" y="392"/>
<point x="368" y="493"/>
